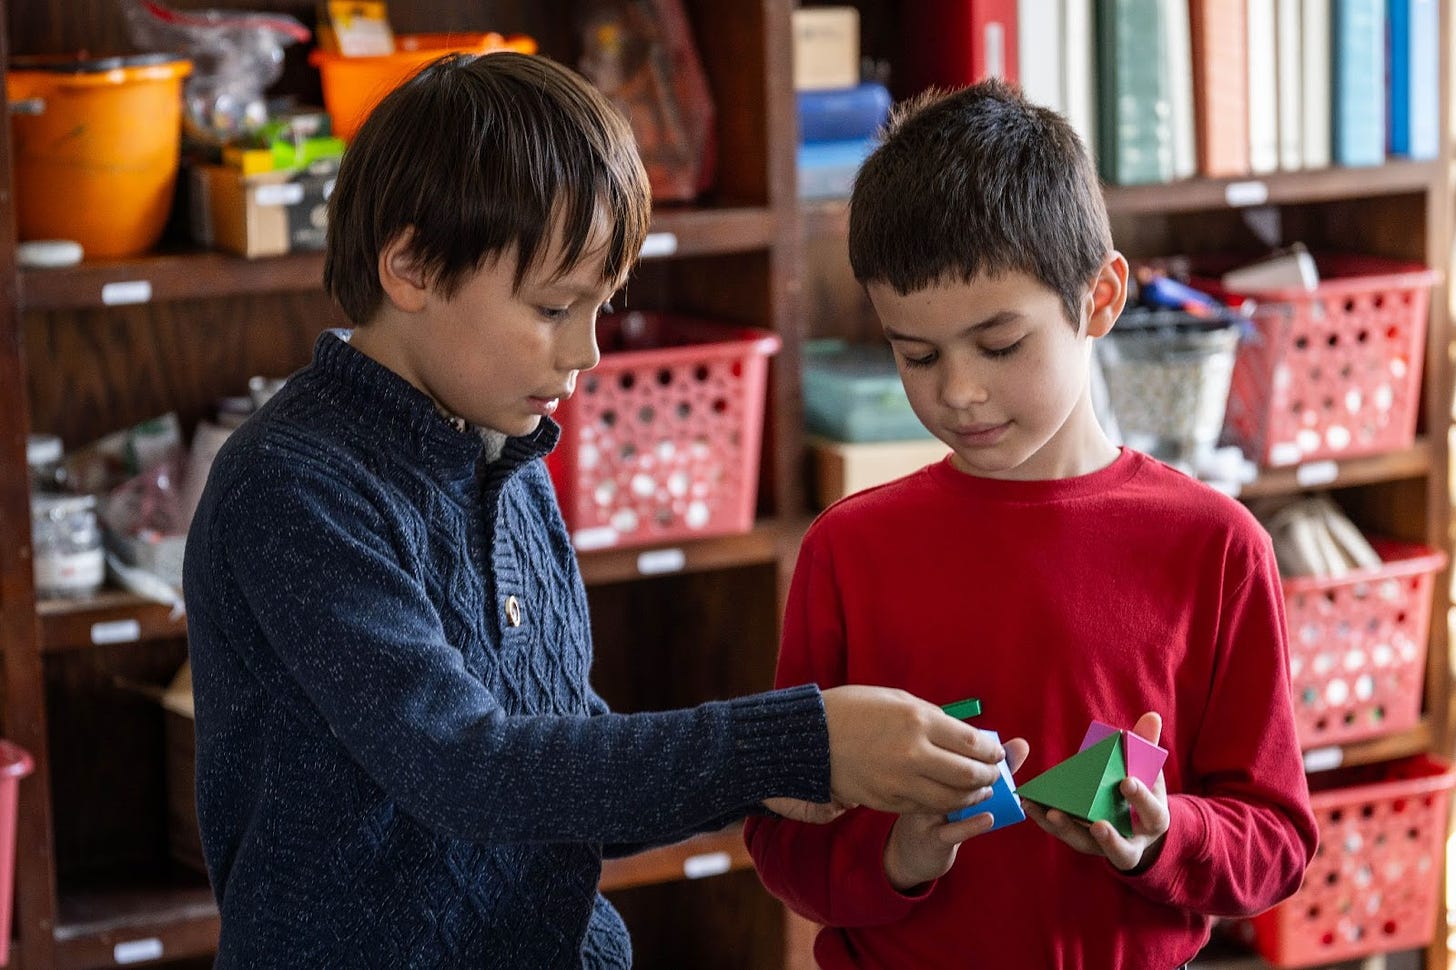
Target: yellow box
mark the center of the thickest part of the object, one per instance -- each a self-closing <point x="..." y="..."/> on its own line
<point x="843" y="468"/>
<point x="826" y="48"/>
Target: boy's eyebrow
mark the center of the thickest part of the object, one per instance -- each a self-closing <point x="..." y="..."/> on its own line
<point x="995" y="320"/>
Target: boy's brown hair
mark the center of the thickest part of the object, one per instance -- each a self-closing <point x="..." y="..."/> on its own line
<point x="475" y="155"/>
<point x="978" y="181"/>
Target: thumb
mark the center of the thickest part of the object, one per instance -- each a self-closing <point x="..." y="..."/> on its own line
<point x="1149" y="727"/>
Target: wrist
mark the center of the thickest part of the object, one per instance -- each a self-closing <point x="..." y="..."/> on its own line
<point x="902" y="877"/>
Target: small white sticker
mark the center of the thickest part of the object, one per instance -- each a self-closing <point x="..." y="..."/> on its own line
<point x="1246" y="193"/>
<point x="1285" y="453"/>
<point x="599" y="538"/>
<point x="127" y="292"/>
<point x="284" y="193"/>
<point x="659" y="561"/>
<point x="1323" y="759"/>
<point x="1315" y="473"/>
<point x="135" y="951"/>
<point x="707" y="864"/>
<point x="658" y="244"/>
<point x="116" y="631"/>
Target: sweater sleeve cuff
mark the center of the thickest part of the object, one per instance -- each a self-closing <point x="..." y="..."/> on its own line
<point x="1184" y="844"/>
<point x="782" y="739"/>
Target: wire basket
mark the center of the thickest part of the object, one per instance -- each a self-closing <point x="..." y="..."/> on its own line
<point x="1167" y="375"/>
<point x="661" y="440"/>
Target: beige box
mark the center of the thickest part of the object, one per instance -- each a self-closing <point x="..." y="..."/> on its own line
<point x="843" y="468"/>
<point x="267" y="214"/>
<point x="826" y="48"/>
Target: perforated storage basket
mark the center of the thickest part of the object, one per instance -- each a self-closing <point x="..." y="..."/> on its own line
<point x="660" y="442"/>
<point x="1373" y="885"/>
<point x="1357" y="646"/>
<point x="1333" y="373"/>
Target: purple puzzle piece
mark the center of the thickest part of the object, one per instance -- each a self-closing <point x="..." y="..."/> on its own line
<point x="1143" y="758"/>
<point x="1096" y="731"/>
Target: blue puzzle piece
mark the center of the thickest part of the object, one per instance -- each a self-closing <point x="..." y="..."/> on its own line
<point x="1004" y="804"/>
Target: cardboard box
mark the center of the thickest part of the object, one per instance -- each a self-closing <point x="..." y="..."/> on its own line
<point x="826" y="48"/>
<point x="267" y="214"/>
<point x="842" y="468"/>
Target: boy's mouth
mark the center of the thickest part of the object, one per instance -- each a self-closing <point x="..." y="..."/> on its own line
<point x="981" y="433"/>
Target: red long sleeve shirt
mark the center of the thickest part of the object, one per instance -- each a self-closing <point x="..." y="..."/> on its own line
<point x="1131" y="589"/>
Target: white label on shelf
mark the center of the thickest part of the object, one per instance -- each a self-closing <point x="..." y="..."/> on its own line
<point x="116" y="631"/>
<point x="1314" y="473"/>
<point x="659" y="561"/>
<point x="1246" y="193"/>
<point x="600" y="537"/>
<point x="126" y="292"/>
<point x="1323" y="759"/>
<point x="707" y="864"/>
<point x="135" y="951"/>
<point x="283" y="193"/>
<point x="1284" y="453"/>
<point x="658" y="244"/>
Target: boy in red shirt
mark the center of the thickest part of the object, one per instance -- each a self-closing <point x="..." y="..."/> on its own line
<point x="1045" y="571"/>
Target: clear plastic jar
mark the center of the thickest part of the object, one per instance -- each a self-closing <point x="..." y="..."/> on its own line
<point x="43" y="456"/>
<point x="66" y="545"/>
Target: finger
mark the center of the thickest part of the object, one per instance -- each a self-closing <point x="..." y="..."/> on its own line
<point x="1150" y="813"/>
<point x="1016" y="751"/>
<point x="954" y="833"/>
<point x="958" y="736"/>
<point x="928" y="796"/>
<point x="954" y="771"/>
<point x="1149" y="727"/>
<point x="1119" y="851"/>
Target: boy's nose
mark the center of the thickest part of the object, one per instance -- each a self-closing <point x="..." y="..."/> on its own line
<point x="963" y="387"/>
<point x="579" y="351"/>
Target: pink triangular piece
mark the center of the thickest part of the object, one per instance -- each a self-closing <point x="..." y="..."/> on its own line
<point x="1144" y="759"/>
<point x="1096" y="731"/>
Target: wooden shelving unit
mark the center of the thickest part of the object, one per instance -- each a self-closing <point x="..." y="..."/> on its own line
<point x="1401" y="210"/>
<point x="97" y="347"/>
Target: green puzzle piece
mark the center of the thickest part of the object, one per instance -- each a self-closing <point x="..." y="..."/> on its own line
<point x="1085" y="785"/>
<point x="961" y="710"/>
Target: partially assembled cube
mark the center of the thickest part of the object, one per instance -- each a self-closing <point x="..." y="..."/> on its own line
<point x="1003" y="805"/>
<point x="1085" y="785"/>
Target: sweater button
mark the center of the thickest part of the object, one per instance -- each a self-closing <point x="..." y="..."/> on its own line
<point x="513" y="611"/>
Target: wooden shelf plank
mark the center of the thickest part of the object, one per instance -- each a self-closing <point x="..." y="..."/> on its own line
<point x="1412" y="462"/>
<point x="117" y="617"/>
<point x="123" y="923"/>
<point x="829" y="219"/>
<point x="162" y="277"/>
<point x="1386" y="748"/>
<point x="705" y="855"/>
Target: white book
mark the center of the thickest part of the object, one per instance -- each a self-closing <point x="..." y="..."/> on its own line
<point x="1178" y="65"/>
<point x="1039" y="47"/>
<point x="1263" y="88"/>
<point x="1315" y="84"/>
<point x="1291" y="80"/>
<point x="1080" y="39"/>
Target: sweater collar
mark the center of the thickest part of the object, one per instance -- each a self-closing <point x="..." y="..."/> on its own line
<point x="388" y="410"/>
<point x="1123" y="467"/>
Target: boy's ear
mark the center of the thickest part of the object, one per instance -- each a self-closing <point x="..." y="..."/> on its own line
<point x="400" y="274"/>
<point x="1108" y="295"/>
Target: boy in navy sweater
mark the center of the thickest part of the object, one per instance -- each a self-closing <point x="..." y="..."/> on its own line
<point x="401" y="760"/>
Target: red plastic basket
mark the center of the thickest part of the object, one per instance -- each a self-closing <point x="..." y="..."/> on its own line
<point x="1332" y="373"/>
<point x="661" y="440"/>
<point x="1373" y="885"/>
<point x="1357" y="646"/>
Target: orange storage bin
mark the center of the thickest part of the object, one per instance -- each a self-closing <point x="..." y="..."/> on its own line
<point x="1373" y="885"/>
<point x="1333" y="373"/>
<point x="661" y="440"/>
<point x="354" y="85"/>
<point x="97" y="148"/>
<point x="1357" y="646"/>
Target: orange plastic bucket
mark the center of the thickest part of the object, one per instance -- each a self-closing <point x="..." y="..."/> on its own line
<point x="97" y="145"/>
<point x="354" y="85"/>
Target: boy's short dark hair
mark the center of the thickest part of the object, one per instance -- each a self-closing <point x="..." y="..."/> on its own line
<point x="978" y="181"/>
<point x="476" y="154"/>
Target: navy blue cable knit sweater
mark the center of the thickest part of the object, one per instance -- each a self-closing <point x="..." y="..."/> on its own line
<point x="390" y="773"/>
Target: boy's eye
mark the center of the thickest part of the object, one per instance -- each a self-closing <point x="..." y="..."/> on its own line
<point x="923" y="361"/>
<point x="1006" y="351"/>
<point x="553" y="312"/>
